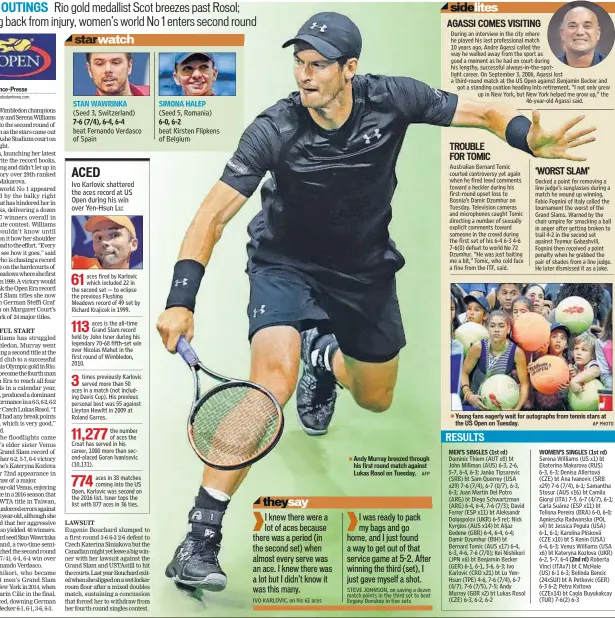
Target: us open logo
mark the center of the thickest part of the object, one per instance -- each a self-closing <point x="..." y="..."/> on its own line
<point x="27" y="56"/>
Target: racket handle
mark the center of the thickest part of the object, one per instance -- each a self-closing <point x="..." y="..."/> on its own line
<point x="186" y="351"/>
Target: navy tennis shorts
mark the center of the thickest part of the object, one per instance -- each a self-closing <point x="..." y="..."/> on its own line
<point x="364" y="317"/>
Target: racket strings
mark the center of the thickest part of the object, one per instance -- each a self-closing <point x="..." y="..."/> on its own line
<point x="234" y="425"/>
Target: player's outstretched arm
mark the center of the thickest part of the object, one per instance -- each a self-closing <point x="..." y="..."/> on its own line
<point x="217" y="209"/>
<point x="220" y="205"/>
<point x="515" y="129"/>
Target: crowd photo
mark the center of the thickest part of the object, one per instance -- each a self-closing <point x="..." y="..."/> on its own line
<point x="531" y="346"/>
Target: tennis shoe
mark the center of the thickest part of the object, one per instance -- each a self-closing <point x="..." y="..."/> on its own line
<point x="195" y="562"/>
<point x="316" y="390"/>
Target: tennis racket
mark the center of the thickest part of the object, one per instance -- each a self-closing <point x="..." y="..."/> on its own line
<point x="235" y="423"/>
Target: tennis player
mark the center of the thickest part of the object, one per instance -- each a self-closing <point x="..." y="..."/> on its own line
<point x="320" y="253"/>
<point x="110" y="73"/>
<point x="580" y="33"/>
<point x="195" y="73"/>
<point x="114" y="240"/>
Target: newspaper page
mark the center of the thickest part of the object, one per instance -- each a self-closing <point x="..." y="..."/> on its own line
<point x="243" y="369"/>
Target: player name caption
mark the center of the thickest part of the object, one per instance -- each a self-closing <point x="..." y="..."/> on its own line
<point x="98" y="123"/>
<point x="389" y="465"/>
<point x="190" y="122"/>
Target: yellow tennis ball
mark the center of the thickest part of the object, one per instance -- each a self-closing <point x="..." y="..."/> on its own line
<point x="22" y="45"/>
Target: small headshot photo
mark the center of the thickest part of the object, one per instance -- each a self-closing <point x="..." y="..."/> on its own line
<point x="197" y="74"/>
<point x="581" y="34"/>
<point x="111" y="242"/>
<point x="111" y="74"/>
